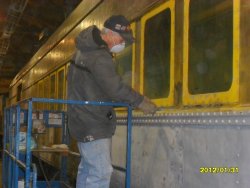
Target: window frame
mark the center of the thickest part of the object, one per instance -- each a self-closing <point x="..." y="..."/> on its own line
<point x="169" y="100"/>
<point x="229" y="96"/>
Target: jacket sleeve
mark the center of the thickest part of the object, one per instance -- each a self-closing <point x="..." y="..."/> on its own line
<point x="111" y="83"/>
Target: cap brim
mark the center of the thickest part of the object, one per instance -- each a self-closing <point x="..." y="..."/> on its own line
<point x="128" y="37"/>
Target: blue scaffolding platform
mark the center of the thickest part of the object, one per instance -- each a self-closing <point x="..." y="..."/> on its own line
<point x="18" y="164"/>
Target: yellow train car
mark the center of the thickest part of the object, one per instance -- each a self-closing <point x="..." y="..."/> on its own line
<point x="191" y="57"/>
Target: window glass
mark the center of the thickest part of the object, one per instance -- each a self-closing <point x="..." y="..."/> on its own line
<point x="53" y="89"/>
<point x="66" y="79"/>
<point x="40" y="94"/>
<point x="124" y="65"/>
<point x="19" y="92"/>
<point x="157" y="55"/>
<point x="34" y="95"/>
<point x="210" y="46"/>
<point x="40" y="90"/>
<point x="24" y="94"/>
<point x="46" y="93"/>
<point x="34" y="90"/>
<point x="60" y="87"/>
<point x="65" y="84"/>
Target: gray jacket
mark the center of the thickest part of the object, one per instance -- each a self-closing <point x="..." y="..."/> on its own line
<point x="92" y="77"/>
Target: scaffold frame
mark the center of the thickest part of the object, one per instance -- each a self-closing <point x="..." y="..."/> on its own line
<point x="11" y="155"/>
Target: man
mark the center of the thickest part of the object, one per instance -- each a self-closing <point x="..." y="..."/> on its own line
<point x="92" y="77"/>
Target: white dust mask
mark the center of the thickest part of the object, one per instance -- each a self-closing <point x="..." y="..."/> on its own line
<point x="118" y="48"/>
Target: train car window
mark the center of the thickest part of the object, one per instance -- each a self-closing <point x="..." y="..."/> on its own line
<point x="124" y="65"/>
<point x="52" y="90"/>
<point x="157" y="55"/>
<point x="19" y="92"/>
<point x="125" y="61"/>
<point x="210" y="66"/>
<point x="65" y="93"/>
<point x="60" y="86"/>
<point x="40" y="93"/>
<point x="34" y="90"/>
<point x="24" y="94"/>
<point x="46" y="93"/>
<point x="34" y="93"/>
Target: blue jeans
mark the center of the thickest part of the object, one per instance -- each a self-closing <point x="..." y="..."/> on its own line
<point x="95" y="169"/>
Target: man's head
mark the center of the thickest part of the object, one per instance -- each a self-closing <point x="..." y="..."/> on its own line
<point x="117" y="32"/>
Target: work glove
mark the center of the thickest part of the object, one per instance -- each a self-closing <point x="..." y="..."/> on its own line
<point x="147" y="106"/>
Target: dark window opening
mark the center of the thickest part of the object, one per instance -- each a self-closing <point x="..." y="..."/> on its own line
<point x="157" y="55"/>
<point x="19" y="92"/>
<point x="210" y="46"/>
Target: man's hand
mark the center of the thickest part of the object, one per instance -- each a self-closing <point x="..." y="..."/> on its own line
<point x="147" y="106"/>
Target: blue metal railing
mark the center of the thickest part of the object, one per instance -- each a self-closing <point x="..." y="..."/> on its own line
<point x="11" y="157"/>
